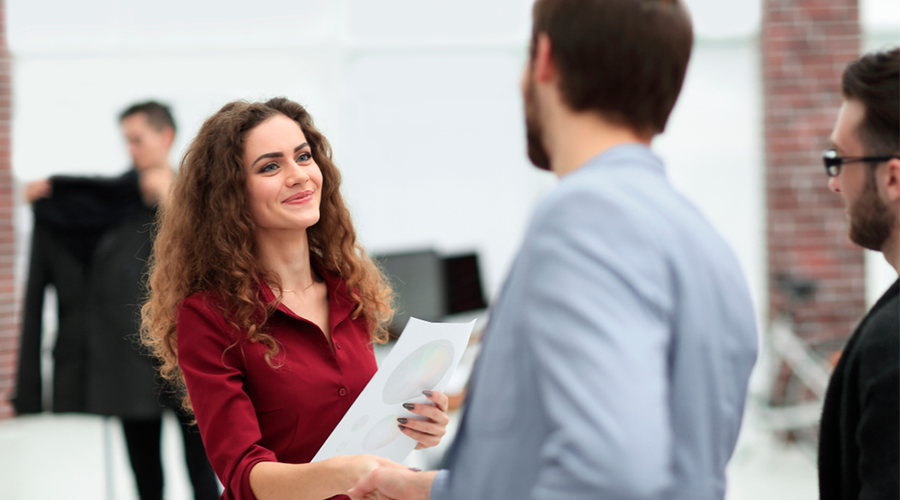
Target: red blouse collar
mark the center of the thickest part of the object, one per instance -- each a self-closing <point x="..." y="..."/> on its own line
<point x="340" y="305"/>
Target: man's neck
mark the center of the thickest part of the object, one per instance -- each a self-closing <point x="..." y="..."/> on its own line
<point x="575" y="138"/>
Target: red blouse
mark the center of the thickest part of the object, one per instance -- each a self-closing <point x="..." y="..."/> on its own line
<point x="249" y="412"/>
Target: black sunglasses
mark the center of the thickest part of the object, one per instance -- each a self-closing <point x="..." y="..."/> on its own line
<point x="833" y="161"/>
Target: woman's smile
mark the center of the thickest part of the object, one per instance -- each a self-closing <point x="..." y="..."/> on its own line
<point x="300" y="198"/>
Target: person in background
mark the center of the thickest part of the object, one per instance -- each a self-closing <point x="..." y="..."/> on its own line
<point x="265" y="307"/>
<point x="617" y="357"/>
<point x="107" y="223"/>
<point x="859" y="436"/>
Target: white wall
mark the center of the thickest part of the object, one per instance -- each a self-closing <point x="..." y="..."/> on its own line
<point x="714" y="149"/>
<point x="419" y="98"/>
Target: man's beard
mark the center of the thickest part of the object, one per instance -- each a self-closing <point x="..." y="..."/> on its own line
<point x="534" y="130"/>
<point x="871" y="220"/>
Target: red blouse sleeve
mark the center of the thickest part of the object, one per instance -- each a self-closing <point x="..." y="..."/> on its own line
<point x="214" y="372"/>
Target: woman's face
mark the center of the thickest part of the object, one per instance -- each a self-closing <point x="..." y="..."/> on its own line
<point x="284" y="183"/>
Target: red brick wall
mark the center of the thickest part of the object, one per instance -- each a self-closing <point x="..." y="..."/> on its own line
<point x="805" y="46"/>
<point x="9" y="302"/>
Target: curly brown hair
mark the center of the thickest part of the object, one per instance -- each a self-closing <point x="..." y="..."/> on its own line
<point x="205" y="238"/>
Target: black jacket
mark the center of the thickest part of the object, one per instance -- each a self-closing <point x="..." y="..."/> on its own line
<point x="859" y="447"/>
<point x="91" y="242"/>
<point x="121" y="377"/>
<point x="52" y="264"/>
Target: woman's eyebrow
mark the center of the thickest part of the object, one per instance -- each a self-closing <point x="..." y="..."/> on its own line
<point x="266" y="155"/>
<point x="276" y="154"/>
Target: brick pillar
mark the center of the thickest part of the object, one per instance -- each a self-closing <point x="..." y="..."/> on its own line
<point x="9" y="300"/>
<point x="805" y="46"/>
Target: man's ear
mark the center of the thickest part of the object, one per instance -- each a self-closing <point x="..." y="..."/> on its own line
<point x="169" y="134"/>
<point x="543" y="67"/>
<point x="891" y="181"/>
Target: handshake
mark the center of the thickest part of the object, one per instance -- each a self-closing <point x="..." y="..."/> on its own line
<point x="394" y="483"/>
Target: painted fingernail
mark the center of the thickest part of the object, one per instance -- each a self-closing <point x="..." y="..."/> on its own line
<point x="402" y="420"/>
<point x="428" y="393"/>
<point x="402" y="428"/>
<point x="409" y="406"/>
<point x="413" y="469"/>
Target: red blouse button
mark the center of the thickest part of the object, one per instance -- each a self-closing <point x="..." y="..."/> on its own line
<point x="337" y="346"/>
<point x="342" y="392"/>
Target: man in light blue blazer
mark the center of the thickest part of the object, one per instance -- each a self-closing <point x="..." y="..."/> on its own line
<point x="616" y="361"/>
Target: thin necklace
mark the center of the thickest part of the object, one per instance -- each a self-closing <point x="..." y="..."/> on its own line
<point x="286" y="290"/>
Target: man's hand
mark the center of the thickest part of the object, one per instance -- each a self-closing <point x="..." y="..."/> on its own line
<point x="394" y="484"/>
<point x="37" y="189"/>
<point x="351" y="468"/>
<point x="155" y="184"/>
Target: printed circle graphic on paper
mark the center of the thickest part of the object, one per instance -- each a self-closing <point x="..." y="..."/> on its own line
<point x="341" y="447"/>
<point x="420" y="371"/>
<point x="382" y="434"/>
<point x="360" y="423"/>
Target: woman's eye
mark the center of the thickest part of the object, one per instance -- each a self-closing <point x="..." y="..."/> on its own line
<point x="304" y="157"/>
<point x="268" y="167"/>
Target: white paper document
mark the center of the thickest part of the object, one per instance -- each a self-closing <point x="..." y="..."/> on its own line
<point x="423" y="358"/>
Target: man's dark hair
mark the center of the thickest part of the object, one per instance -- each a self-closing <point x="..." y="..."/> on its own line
<point x="624" y="59"/>
<point x="874" y="80"/>
<point x="158" y="115"/>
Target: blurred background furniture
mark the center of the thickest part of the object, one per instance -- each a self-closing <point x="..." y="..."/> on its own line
<point x="431" y="286"/>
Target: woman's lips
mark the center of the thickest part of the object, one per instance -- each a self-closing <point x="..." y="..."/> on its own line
<point x="300" y="198"/>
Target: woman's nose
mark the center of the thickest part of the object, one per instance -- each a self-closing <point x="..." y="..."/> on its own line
<point x="297" y="175"/>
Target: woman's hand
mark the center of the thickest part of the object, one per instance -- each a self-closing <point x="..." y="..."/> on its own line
<point x="394" y="484"/>
<point x="314" y="481"/>
<point x="349" y="469"/>
<point x="427" y="432"/>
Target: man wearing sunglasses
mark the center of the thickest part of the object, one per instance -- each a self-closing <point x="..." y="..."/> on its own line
<point x="859" y="448"/>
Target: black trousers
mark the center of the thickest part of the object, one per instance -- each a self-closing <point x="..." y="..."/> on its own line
<point x="143" y="440"/>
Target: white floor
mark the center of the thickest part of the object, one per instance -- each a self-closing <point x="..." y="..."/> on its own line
<point x="83" y="457"/>
<point x="79" y="457"/>
<point x="766" y="468"/>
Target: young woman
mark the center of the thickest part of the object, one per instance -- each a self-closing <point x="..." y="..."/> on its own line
<point x="264" y="305"/>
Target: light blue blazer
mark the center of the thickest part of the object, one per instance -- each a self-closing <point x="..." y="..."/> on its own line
<point x="616" y="360"/>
